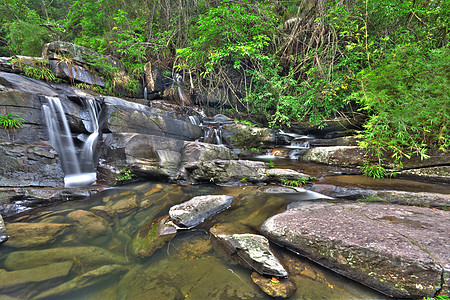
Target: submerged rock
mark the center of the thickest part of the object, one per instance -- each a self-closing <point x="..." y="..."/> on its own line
<point x="88" y="225"/>
<point x="193" y="212"/>
<point x="26" y="235"/>
<point x="34" y="275"/>
<point x="401" y="251"/>
<point x="87" y="256"/>
<point x="275" y="287"/>
<point x="151" y="237"/>
<point x="253" y="251"/>
<point x="88" y="279"/>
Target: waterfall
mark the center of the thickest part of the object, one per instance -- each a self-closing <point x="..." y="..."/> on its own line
<point x="78" y="167"/>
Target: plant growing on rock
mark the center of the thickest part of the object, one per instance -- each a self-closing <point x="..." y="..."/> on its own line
<point x="291" y="182"/>
<point x="11" y="121"/>
<point x="125" y="174"/>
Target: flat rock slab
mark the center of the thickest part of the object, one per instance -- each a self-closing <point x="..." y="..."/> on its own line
<point x="252" y="250"/>
<point x="193" y="212"/>
<point x="401" y="251"/>
<point x="34" y="275"/>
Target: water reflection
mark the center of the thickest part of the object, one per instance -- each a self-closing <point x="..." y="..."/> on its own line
<point x="96" y="245"/>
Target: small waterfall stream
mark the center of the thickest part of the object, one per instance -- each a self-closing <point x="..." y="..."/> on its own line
<point x="78" y="165"/>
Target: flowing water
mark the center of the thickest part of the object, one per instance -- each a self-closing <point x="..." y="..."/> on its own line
<point x="190" y="266"/>
<point x="78" y="165"/>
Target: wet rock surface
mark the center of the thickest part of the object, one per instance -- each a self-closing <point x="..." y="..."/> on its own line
<point x="253" y="251"/>
<point x="26" y="235"/>
<point x="274" y="287"/>
<point x="401" y="251"/>
<point x="195" y="211"/>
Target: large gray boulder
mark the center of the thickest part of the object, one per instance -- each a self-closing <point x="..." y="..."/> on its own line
<point x="29" y="165"/>
<point x="145" y="155"/>
<point x="193" y="212"/>
<point x="401" y="251"/>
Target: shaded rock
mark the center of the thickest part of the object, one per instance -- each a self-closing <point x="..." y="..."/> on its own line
<point x="438" y="174"/>
<point x="87" y="256"/>
<point x="29" y="165"/>
<point x="398" y="250"/>
<point x="151" y="237"/>
<point x="195" y="211"/>
<point x="34" y="275"/>
<point x="121" y="119"/>
<point x="88" y="279"/>
<point x="154" y="80"/>
<point x="253" y="251"/>
<point x="3" y="235"/>
<point x="283" y="287"/>
<point x="197" y="152"/>
<point x="339" y="141"/>
<point x="396" y="197"/>
<point x="60" y="50"/>
<point x="75" y="72"/>
<point x="16" y="200"/>
<point x="88" y="225"/>
<point x="145" y="155"/>
<point x="25" y="235"/>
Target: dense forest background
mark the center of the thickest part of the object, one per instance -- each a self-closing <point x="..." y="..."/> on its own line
<point x="284" y="61"/>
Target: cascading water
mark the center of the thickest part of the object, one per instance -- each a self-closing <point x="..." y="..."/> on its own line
<point x="76" y="174"/>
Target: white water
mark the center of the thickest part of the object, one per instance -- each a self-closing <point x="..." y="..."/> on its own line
<point x="79" y="169"/>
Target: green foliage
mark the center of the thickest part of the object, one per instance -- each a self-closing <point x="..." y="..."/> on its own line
<point x="408" y="99"/>
<point x="374" y="170"/>
<point x="441" y="297"/>
<point x="25" y="36"/>
<point x="125" y="174"/>
<point x="291" y="182"/>
<point x="11" y="121"/>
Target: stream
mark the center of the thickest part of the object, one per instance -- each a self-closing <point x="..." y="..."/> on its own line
<point x="190" y="266"/>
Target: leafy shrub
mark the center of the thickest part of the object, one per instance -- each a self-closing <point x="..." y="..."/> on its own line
<point x="11" y="121"/>
<point x="407" y="97"/>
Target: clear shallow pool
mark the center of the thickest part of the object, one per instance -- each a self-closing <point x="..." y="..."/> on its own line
<point x="190" y="266"/>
